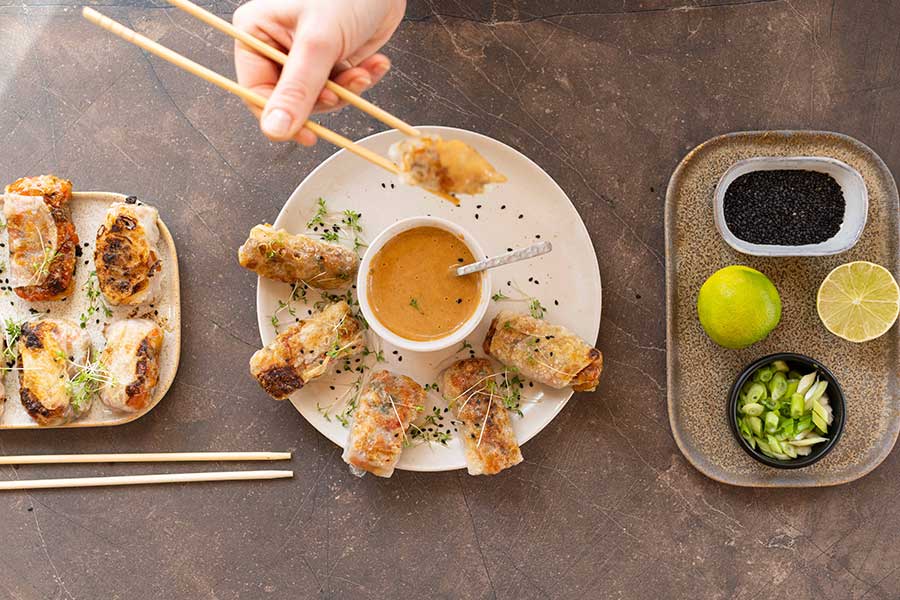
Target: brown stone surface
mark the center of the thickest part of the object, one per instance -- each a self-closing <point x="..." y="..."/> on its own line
<point x="607" y="96"/>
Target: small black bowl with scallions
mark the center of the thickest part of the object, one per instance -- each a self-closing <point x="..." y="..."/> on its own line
<point x="786" y="410"/>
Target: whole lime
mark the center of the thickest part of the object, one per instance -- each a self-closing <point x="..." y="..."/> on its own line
<point x="738" y="306"/>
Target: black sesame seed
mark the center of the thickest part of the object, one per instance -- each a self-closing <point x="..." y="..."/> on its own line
<point x="784" y="207"/>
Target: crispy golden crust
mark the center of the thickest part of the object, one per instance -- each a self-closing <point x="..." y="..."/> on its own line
<point x="444" y="166"/>
<point x="386" y="407"/>
<point x="46" y="348"/>
<point x="124" y="255"/>
<point x="544" y="353"/>
<point x="131" y="357"/>
<point x="471" y="390"/>
<point x="306" y="350"/>
<point x="277" y="254"/>
<point x="58" y="276"/>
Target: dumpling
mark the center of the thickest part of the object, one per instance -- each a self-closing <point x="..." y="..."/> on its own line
<point x="131" y="362"/>
<point x="51" y="353"/>
<point x="125" y="254"/>
<point x="42" y="237"/>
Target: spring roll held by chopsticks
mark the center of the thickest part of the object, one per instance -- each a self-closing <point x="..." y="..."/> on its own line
<point x="387" y="405"/>
<point x="277" y="254"/>
<point x="471" y="390"/>
<point x="444" y="167"/>
<point x="306" y="350"/>
<point x="544" y="353"/>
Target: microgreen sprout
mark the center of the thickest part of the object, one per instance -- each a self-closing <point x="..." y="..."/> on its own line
<point x="42" y="268"/>
<point x="12" y="331"/>
<point x="86" y="382"/>
<point x="95" y="302"/>
<point x="535" y="307"/>
<point x="318" y="219"/>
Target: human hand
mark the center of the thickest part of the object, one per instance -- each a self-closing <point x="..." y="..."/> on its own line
<point x="336" y="39"/>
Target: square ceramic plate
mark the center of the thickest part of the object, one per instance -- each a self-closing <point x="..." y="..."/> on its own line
<point x="700" y="372"/>
<point x="88" y="212"/>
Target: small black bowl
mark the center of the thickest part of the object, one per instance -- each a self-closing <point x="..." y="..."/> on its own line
<point x="803" y="364"/>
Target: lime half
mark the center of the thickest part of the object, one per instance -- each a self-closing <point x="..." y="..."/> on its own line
<point x="858" y="301"/>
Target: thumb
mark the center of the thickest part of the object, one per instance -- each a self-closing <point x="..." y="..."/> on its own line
<point x="309" y="63"/>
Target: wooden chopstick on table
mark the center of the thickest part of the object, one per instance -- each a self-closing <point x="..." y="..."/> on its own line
<point x="281" y="58"/>
<point x="57" y="459"/>
<point x="211" y="76"/>
<point x="42" y="484"/>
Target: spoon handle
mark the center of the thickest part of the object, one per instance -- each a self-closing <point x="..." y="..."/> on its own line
<point x="505" y="259"/>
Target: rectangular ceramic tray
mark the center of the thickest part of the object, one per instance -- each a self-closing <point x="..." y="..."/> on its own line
<point x="88" y="212"/>
<point x="700" y="372"/>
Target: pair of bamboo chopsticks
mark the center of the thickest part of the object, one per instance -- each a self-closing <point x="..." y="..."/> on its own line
<point x="47" y="459"/>
<point x="245" y="94"/>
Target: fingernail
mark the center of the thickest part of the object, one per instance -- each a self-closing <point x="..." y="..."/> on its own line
<point x="277" y="123"/>
<point x="362" y="82"/>
<point x="328" y="98"/>
<point x="382" y="68"/>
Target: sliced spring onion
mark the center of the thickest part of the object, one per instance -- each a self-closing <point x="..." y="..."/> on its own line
<point x="808" y="441"/>
<point x="752" y="409"/>
<point x="756" y="393"/>
<point x="797" y="406"/>
<point x="806" y="382"/>
<point x="816" y="391"/>
<point x="777" y="386"/>
<point x="756" y="425"/>
<point x="783" y="413"/>
<point x="771" y="422"/>
<point x="819" y="416"/>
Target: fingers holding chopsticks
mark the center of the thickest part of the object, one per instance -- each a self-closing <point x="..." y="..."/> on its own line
<point x="323" y="38"/>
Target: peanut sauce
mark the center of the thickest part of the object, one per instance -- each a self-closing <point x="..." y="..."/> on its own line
<point x="413" y="290"/>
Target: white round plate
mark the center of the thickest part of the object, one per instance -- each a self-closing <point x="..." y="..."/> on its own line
<point x="530" y="206"/>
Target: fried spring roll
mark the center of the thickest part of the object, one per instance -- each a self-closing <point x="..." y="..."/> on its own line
<point x="306" y="350"/>
<point x="277" y="254"/>
<point x="387" y="405"/>
<point x="131" y="358"/>
<point x="471" y="390"/>
<point x="544" y="353"/>
<point x="125" y="254"/>
<point x="443" y="166"/>
<point x="42" y="238"/>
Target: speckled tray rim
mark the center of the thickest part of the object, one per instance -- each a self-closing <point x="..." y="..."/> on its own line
<point x="174" y="294"/>
<point x="701" y="463"/>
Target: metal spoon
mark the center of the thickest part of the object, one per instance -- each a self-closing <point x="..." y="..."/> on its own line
<point x="505" y="259"/>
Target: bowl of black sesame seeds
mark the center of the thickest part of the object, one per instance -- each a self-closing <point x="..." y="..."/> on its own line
<point x="791" y="206"/>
